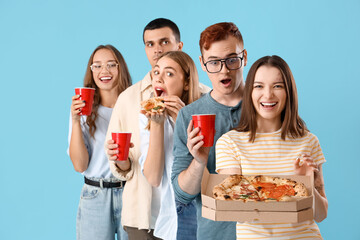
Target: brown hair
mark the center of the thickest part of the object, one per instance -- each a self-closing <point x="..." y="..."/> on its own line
<point x="124" y="81"/>
<point x="292" y="125"/>
<point x="218" y="32"/>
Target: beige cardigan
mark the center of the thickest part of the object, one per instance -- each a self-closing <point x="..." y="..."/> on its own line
<point x="125" y="118"/>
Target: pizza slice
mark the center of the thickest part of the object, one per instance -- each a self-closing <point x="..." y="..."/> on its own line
<point x="235" y="187"/>
<point x="155" y="104"/>
<point x="276" y="188"/>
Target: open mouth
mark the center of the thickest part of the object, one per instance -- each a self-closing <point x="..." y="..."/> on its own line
<point x="105" y="79"/>
<point x="226" y="82"/>
<point x="159" y="91"/>
<point x="268" y="105"/>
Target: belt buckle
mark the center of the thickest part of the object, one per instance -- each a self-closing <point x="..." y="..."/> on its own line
<point x="121" y="184"/>
<point x="101" y="183"/>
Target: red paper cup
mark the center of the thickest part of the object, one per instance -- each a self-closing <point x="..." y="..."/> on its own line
<point x="206" y="123"/>
<point x="87" y="95"/>
<point x="123" y="140"/>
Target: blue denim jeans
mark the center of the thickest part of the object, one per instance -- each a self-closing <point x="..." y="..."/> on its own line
<point x="99" y="214"/>
<point x="187" y="221"/>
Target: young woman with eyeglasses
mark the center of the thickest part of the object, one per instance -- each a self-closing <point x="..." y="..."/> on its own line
<point x="99" y="212"/>
<point x="272" y="139"/>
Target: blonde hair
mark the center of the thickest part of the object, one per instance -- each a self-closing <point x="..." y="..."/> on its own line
<point x="191" y="77"/>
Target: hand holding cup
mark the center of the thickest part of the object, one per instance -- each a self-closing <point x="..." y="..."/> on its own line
<point x="206" y="123"/>
<point x="86" y="95"/>
<point x="119" y="149"/>
<point x="76" y="106"/>
<point x="195" y="144"/>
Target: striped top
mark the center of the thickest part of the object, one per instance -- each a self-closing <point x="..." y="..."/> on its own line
<point x="268" y="155"/>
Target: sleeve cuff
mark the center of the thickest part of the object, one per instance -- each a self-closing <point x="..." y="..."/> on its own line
<point x="120" y="174"/>
<point x="180" y="195"/>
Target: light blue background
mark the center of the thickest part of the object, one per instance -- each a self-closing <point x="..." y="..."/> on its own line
<point x="44" y="49"/>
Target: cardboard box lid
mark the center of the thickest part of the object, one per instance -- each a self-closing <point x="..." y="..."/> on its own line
<point x="210" y="180"/>
<point x="257" y="216"/>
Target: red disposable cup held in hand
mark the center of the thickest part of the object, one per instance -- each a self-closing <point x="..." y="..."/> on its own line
<point x="122" y="139"/>
<point x="206" y="123"/>
<point x="87" y="95"/>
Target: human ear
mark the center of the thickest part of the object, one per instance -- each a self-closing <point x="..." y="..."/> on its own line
<point x="180" y="46"/>
<point x="245" y="57"/>
<point x="186" y="85"/>
<point x="202" y="64"/>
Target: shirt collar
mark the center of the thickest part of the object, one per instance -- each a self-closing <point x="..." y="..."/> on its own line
<point x="146" y="82"/>
<point x="219" y="105"/>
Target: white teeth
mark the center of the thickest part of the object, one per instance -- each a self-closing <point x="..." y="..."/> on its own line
<point x="268" y="104"/>
<point x="105" y="78"/>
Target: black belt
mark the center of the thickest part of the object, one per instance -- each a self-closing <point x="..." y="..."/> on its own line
<point x="103" y="184"/>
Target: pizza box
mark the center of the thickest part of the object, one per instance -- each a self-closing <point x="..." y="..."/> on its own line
<point x="222" y="210"/>
<point x="257" y="216"/>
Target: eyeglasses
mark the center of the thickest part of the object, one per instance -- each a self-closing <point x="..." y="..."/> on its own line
<point x="110" y="66"/>
<point x="231" y="63"/>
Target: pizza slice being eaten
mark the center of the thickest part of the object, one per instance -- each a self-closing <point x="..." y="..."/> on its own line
<point x="155" y="104"/>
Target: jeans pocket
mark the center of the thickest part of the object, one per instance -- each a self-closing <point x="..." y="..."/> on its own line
<point x="89" y="192"/>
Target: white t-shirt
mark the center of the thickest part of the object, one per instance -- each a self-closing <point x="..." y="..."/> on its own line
<point x="163" y="208"/>
<point x="98" y="162"/>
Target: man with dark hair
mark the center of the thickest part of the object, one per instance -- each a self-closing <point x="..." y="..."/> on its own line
<point x="223" y="58"/>
<point x="159" y="36"/>
<point x="162" y="23"/>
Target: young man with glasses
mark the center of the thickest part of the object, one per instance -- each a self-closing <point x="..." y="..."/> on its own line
<point x="223" y="58"/>
<point x="159" y="36"/>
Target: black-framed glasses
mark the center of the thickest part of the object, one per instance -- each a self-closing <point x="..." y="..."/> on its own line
<point x="110" y="66"/>
<point x="231" y="63"/>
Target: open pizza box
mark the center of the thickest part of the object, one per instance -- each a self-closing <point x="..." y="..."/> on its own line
<point x="267" y="212"/>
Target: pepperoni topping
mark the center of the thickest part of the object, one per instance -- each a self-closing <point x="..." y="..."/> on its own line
<point x="276" y="192"/>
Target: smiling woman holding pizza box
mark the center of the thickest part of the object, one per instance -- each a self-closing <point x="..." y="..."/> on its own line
<point x="272" y="139"/>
